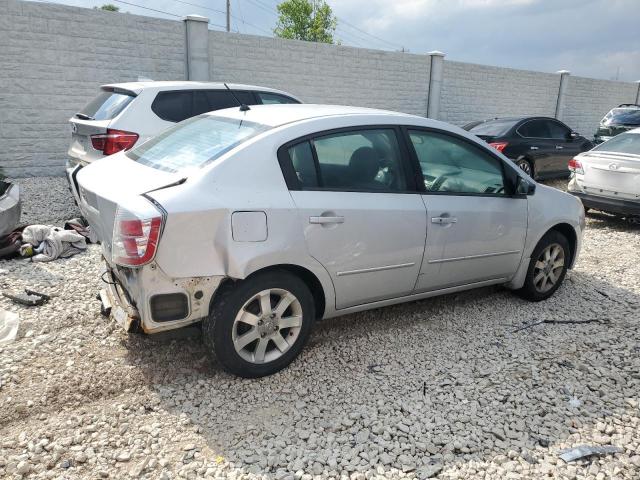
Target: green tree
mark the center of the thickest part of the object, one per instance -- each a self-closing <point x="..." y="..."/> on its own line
<point x="108" y="7"/>
<point x="311" y="20"/>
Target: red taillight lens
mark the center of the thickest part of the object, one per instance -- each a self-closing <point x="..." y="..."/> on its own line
<point x="136" y="233"/>
<point x="575" y="166"/>
<point x="113" y="141"/>
<point x="500" y="146"/>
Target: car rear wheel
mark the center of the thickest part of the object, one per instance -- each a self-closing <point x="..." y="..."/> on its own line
<point x="526" y="166"/>
<point x="547" y="268"/>
<point x="259" y="326"/>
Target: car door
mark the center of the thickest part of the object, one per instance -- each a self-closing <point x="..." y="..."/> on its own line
<point x="539" y="145"/>
<point x="363" y="221"/>
<point x="475" y="228"/>
<point x="566" y="147"/>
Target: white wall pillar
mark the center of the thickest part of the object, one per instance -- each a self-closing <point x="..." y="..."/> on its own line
<point x="638" y="93"/>
<point x="435" y="84"/>
<point x="197" y="47"/>
<point x="564" y="84"/>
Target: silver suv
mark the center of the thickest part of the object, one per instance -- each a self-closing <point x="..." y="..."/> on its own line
<point x="128" y="114"/>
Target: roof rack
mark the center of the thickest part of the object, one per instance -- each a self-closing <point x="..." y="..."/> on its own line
<point x="628" y="105"/>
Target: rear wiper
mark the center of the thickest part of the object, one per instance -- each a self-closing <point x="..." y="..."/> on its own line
<point x="82" y="116"/>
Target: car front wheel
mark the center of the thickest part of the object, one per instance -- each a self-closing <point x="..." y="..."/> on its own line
<point x="259" y="325"/>
<point x="547" y="268"/>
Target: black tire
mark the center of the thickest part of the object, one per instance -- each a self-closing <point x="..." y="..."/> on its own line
<point x="218" y="327"/>
<point x="529" y="290"/>
<point x="526" y="166"/>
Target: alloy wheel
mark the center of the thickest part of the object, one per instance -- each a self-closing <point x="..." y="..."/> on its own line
<point x="525" y="166"/>
<point x="548" y="268"/>
<point x="267" y="325"/>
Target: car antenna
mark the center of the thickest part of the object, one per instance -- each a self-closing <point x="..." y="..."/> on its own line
<point x="243" y="106"/>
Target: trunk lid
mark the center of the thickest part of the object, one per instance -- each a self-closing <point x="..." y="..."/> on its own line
<point x="81" y="148"/>
<point x="110" y="182"/>
<point x="611" y="172"/>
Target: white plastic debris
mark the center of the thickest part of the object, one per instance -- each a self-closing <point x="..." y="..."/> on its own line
<point x="9" y="322"/>
<point x="571" y="454"/>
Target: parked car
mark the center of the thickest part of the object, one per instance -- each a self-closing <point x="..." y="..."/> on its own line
<point x="259" y="222"/>
<point x="10" y="206"/>
<point x="621" y="119"/>
<point x="127" y="114"/>
<point x="541" y="146"/>
<point x="607" y="178"/>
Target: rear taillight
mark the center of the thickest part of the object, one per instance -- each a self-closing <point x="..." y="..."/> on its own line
<point x="575" y="166"/>
<point x="136" y="232"/>
<point x="113" y="141"/>
<point x="500" y="146"/>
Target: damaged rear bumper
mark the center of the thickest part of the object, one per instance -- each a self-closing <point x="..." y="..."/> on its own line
<point x="131" y="298"/>
<point x="10" y="207"/>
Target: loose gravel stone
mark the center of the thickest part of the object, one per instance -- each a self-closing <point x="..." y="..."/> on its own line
<point x="443" y="387"/>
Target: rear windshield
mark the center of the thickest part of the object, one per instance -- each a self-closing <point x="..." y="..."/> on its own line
<point x="194" y="142"/>
<point x="623" y="143"/>
<point x="105" y="106"/>
<point x="493" y="128"/>
<point x="624" y="116"/>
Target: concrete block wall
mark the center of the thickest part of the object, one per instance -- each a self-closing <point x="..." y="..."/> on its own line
<point x="53" y="58"/>
<point x="477" y="92"/>
<point x="589" y="99"/>
<point x="321" y="73"/>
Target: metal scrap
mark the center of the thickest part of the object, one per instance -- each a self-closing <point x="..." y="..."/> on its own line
<point x="572" y="454"/>
<point x="30" y="298"/>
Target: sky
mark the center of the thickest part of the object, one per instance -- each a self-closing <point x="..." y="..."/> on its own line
<point x="590" y="38"/>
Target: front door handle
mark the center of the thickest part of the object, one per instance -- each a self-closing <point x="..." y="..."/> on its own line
<point x="326" y="220"/>
<point x="533" y="147"/>
<point x="444" y="220"/>
<point x="559" y="147"/>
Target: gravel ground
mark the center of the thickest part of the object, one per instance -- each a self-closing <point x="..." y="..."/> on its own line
<point x="445" y="387"/>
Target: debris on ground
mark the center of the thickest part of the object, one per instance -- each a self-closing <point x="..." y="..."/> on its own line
<point x="51" y="242"/>
<point x="576" y="453"/>
<point x="9" y="323"/>
<point x="29" y="298"/>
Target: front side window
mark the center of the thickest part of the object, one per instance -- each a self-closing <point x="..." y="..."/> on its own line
<point x="535" y="129"/>
<point x="451" y="165"/>
<point x="558" y="131"/>
<point x="194" y="143"/>
<point x="363" y="160"/>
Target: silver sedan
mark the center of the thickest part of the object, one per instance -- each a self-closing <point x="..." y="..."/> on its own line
<point x="257" y="223"/>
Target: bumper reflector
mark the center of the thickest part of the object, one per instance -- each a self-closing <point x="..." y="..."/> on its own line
<point x="168" y="307"/>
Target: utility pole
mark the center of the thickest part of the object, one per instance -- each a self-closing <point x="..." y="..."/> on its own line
<point x="228" y="15"/>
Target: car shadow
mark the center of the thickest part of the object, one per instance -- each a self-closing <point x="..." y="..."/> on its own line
<point x="602" y="220"/>
<point x="449" y="380"/>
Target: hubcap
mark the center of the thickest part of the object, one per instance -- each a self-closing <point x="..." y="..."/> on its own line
<point x="524" y="166"/>
<point x="548" y="268"/>
<point x="267" y="325"/>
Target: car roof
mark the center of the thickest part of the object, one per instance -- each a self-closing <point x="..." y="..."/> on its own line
<point x="159" y="86"/>
<point x="280" y="114"/>
<point x="518" y="119"/>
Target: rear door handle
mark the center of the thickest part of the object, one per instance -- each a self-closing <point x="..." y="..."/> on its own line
<point x="533" y="147"/>
<point x="559" y="147"/>
<point x="444" y="220"/>
<point x="326" y="220"/>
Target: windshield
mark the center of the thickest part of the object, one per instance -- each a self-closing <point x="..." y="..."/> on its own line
<point x="105" y="106"/>
<point x="625" y="116"/>
<point x="628" y="143"/>
<point x="493" y="128"/>
<point x="194" y="142"/>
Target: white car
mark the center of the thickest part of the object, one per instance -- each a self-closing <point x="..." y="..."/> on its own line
<point x="259" y="222"/>
<point x="127" y="114"/>
<point x="607" y="178"/>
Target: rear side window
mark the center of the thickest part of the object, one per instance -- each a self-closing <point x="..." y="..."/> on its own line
<point x="173" y="106"/>
<point x="362" y="160"/>
<point x="105" y="106"/>
<point x="194" y="143"/>
<point x="273" y="98"/>
<point x="535" y="129"/>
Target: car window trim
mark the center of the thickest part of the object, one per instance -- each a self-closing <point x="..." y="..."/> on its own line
<point x="291" y="179"/>
<point x="506" y="180"/>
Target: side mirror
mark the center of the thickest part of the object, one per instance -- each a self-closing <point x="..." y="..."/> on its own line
<point x="524" y="186"/>
<point x="573" y="135"/>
